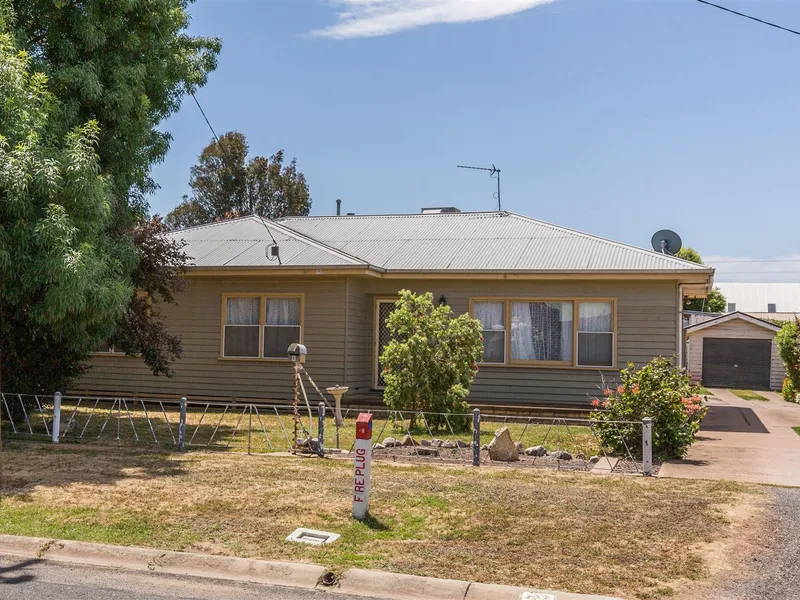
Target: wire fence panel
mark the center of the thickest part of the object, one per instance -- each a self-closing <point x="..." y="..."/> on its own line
<point x="555" y="443"/>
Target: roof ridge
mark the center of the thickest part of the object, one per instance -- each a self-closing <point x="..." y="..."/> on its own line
<point x="614" y="242"/>
<point x="212" y="224"/>
<point x="314" y="242"/>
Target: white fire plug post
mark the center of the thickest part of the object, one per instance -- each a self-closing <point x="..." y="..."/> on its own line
<point x="362" y="466"/>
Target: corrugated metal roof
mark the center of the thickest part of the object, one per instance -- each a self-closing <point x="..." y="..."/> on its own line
<point x="755" y="297"/>
<point x="474" y="242"/>
<point x="245" y="243"/>
<point x="494" y="241"/>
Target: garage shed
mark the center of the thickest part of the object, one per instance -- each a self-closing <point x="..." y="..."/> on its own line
<point x="734" y="351"/>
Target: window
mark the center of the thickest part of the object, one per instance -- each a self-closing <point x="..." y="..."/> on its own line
<point x="564" y="332"/>
<point x="282" y="327"/>
<point x="242" y="328"/>
<point x="541" y="331"/>
<point x="492" y="317"/>
<point x="595" y="334"/>
<point x="731" y="307"/>
<point x="261" y="326"/>
<point x="772" y="308"/>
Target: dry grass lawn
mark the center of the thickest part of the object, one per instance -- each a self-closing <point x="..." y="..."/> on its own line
<point x="622" y="535"/>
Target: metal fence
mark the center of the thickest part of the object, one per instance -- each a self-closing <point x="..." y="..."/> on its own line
<point x="469" y="439"/>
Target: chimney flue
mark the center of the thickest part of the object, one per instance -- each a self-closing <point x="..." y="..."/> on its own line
<point x="338" y="207"/>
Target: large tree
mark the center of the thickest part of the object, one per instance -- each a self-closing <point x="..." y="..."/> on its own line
<point x="63" y="277"/>
<point x="126" y="64"/>
<point x="122" y="66"/>
<point x="715" y="302"/>
<point x="225" y="184"/>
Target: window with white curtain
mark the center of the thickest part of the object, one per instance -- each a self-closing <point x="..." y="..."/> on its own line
<point x="492" y="316"/>
<point x="241" y="331"/>
<point x="595" y="334"/>
<point x="282" y="326"/>
<point x="541" y="331"/>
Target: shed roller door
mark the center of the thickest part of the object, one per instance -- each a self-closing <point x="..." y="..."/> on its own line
<point x="736" y="363"/>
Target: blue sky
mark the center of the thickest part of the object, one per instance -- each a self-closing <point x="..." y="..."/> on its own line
<point x="616" y="118"/>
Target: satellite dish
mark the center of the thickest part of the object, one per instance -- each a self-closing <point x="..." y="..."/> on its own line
<point x="666" y="242"/>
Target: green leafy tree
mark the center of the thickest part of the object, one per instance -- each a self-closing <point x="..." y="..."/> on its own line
<point x="715" y="302"/>
<point x="63" y="277"/>
<point x="788" y="340"/>
<point x="659" y="390"/>
<point x="125" y="66"/>
<point x="225" y="184"/>
<point x="431" y="360"/>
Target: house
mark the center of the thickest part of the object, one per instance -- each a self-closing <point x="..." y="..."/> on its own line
<point x="735" y="350"/>
<point x="560" y="309"/>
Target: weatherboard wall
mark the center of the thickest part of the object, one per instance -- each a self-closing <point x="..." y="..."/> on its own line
<point x="339" y="324"/>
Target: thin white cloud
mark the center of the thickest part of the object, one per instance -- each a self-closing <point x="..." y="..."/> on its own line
<point x="371" y="18"/>
<point x="737" y="269"/>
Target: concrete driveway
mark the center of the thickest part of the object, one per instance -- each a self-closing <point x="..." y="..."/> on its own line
<point x="744" y="440"/>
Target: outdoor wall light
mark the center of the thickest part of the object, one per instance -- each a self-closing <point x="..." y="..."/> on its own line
<point x="442" y="301"/>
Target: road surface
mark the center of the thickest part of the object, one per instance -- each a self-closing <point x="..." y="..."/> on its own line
<point x="23" y="579"/>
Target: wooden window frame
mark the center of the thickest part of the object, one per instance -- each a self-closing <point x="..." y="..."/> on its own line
<point x="570" y="364"/>
<point x="262" y="322"/>
<point x="112" y="351"/>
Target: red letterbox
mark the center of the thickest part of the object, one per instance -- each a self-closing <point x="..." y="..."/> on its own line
<point x="364" y="426"/>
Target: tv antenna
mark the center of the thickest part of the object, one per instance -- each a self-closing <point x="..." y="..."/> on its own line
<point x="494" y="173"/>
<point x="666" y="242"/>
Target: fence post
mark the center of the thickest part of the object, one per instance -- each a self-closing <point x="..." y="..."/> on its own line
<point x="476" y="438"/>
<point x="56" y="416"/>
<point x="182" y="426"/>
<point x="321" y="430"/>
<point x="647" y="446"/>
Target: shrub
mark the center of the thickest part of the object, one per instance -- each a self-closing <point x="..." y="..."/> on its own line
<point x="790" y="392"/>
<point x="431" y="360"/>
<point x="659" y="390"/>
<point x="788" y="340"/>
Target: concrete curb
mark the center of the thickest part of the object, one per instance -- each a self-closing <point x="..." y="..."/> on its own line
<point x="359" y="582"/>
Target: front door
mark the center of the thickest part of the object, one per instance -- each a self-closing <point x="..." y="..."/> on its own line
<point x="383" y="308"/>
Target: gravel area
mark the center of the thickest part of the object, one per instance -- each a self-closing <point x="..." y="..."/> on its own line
<point x="427" y="455"/>
<point x="772" y="571"/>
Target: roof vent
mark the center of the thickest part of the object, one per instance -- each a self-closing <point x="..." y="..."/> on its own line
<point x="435" y="210"/>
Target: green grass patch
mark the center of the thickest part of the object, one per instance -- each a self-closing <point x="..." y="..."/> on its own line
<point x="703" y="391"/>
<point x="796" y="430"/>
<point x="749" y="395"/>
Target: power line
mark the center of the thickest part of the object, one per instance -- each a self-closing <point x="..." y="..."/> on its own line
<point x="752" y="18"/>
<point x="202" y="112"/>
<point x="759" y="260"/>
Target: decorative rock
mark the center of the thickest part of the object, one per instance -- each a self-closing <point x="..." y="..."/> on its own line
<point x="437" y="442"/>
<point x="425" y="442"/>
<point x="379" y="447"/>
<point x="580" y="456"/>
<point x="461" y="444"/>
<point x="520" y="447"/>
<point x="302" y="443"/>
<point x="536" y="451"/>
<point x="485" y="447"/>
<point x="390" y="442"/>
<point x="594" y="459"/>
<point x="407" y="441"/>
<point x="502" y="448"/>
<point x="426" y="451"/>
<point x="561" y="455"/>
<point x="449" y="444"/>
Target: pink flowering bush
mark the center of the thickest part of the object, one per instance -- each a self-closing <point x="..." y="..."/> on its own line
<point x="659" y="390"/>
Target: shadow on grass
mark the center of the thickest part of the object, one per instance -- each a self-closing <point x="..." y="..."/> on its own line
<point x="375" y="524"/>
<point x="30" y="465"/>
